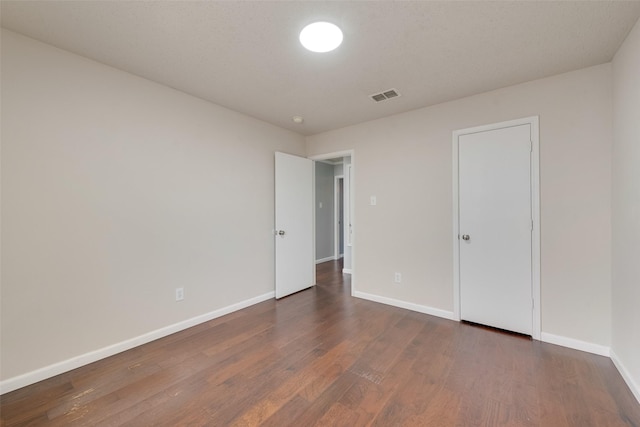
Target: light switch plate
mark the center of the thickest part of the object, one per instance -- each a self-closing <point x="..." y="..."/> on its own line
<point x="373" y="200"/>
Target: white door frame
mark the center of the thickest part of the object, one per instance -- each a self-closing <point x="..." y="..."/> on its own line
<point x="535" y="214"/>
<point x="352" y="212"/>
<point x="336" y="215"/>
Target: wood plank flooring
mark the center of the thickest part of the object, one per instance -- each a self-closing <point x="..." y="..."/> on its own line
<point x="321" y="357"/>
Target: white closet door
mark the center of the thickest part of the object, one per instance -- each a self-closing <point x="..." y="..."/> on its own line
<point x="495" y="227"/>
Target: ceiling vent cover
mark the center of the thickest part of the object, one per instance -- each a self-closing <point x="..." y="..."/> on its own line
<point x="383" y="96"/>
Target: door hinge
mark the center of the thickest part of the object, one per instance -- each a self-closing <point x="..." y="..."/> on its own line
<point x="531" y="225"/>
<point x="531" y="146"/>
<point x="533" y="303"/>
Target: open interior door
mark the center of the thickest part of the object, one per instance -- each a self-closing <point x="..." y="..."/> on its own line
<point x="295" y="267"/>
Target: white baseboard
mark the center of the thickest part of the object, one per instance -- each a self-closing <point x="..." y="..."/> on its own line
<point x="406" y="305"/>
<point x="633" y="386"/>
<point x="346" y="271"/>
<point x="575" y="344"/>
<point x="321" y="260"/>
<point x="32" y="377"/>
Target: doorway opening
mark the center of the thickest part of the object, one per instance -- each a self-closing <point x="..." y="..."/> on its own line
<point x="328" y="208"/>
<point x="334" y="214"/>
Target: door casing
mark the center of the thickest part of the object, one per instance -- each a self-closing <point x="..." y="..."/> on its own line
<point x="338" y="225"/>
<point x="535" y="208"/>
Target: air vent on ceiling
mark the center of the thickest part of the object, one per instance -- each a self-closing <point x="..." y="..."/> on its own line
<point x="383" y="96"/>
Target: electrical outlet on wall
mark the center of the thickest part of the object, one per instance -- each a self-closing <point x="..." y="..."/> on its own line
<point x="397" y="278"/>
<point x="179" y="294"/>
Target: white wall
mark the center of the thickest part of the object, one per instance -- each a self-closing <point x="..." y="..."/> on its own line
<point x="115" y="191"/>
<point x="324" y="214"/>
<point x="626" y="210"/>
<point x="409" y="231"/>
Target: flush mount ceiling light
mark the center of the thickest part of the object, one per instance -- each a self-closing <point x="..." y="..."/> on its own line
<point x="297" y="119"/>
<point x="321" y="37"/>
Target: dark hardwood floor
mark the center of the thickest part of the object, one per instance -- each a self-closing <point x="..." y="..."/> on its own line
<point x="321" y="357"/>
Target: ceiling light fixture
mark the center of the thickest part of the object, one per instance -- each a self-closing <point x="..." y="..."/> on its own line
<point x="297" y="119"/>
<point x="321" y="37"/>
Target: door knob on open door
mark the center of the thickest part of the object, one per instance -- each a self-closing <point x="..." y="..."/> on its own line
<point x="466" y="237"/>
<point x="280" y="232"/>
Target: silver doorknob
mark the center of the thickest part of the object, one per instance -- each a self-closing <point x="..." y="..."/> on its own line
<point x="280" y="232"/>
<point x="466" y="237"/>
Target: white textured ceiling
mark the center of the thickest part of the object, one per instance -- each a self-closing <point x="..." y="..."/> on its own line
<point x="246" y="55"/>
